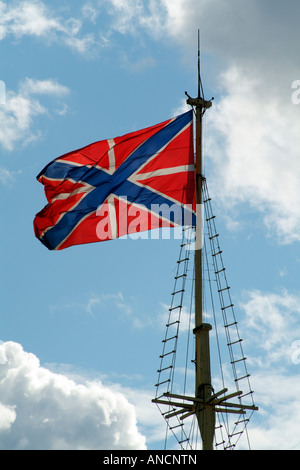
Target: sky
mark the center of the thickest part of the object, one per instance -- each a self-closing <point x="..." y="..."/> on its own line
<point x="81" y="328"/>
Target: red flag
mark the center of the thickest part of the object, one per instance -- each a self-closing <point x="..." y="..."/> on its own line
<point x="140" y="181"/>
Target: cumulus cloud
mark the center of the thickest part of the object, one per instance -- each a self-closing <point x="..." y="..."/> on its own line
<point x="40" y="409"/>
<point x="252" y="131"/>
<point x="254" y="143"/>
<point x="273" y="428"/>
<point x="7" y="417"/>
<point x="272" y="326"/>
<point x="21" y="107"/>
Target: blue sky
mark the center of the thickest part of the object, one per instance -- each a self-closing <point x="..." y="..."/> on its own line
<point x="81" y="329"/>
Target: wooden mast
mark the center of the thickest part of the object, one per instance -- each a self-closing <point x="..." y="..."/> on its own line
<point x="203" y="388"/>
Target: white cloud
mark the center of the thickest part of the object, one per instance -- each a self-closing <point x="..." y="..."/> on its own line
<point x="271" y="332"/>
<point x="16" y="119"/>
<point x="26" y="18"/>
<point x="272" y="326"/>
<point x="106" y="300"/>
<point x="34" y="18"/>
<point x="18" y="113"/>
<point x="44" y="410"/>
<point x="125" y="14"/>
<point x="98" y="304"/>
<point x="253" y="128"/>
<point x="254" y="143"/>
<point x="92" y="302"/>
<point x="7" y="417"/>
<point x="149" y="418"/>
<point x="272" y="427"/>
<point x="90" y="12"/>
<point x="32" y="86"/>
<point x="29" y="18"/>
<point x="7" y="177"/>
<point x="186" y="318"/>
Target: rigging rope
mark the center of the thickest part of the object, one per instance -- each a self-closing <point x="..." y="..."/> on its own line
<point x="186" y="431"/>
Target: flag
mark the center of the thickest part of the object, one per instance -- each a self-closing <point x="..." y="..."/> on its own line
<point x="114" y="187"/>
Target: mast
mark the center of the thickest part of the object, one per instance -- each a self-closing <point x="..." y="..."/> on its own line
<point x="205" y="403"/>
<point x="203" y="388"/>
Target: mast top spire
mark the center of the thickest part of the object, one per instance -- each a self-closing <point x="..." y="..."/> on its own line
<point x="200" y="88"/>
<point x="199" y="102"/>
